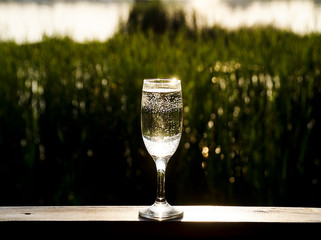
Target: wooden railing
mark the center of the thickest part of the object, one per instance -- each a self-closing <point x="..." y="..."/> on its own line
<point x="123" y="221"/>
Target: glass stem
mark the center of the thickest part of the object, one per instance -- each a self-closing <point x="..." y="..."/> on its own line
<point x="161" y="168"/>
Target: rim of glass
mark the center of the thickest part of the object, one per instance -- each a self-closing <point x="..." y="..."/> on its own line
<point x="161" y="80"/>
<point x="161" y="83"/>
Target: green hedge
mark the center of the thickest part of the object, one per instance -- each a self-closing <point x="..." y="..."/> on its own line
<point x="70" y="118"/>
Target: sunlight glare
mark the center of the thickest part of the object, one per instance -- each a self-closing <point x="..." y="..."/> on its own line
<point x="215" y="213"/>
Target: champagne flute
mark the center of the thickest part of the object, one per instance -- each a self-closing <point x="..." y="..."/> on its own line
<point x="161" y="126"/>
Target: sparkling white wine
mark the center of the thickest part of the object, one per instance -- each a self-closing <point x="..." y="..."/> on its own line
<point x="161" y="123"/>
<point x="162" y="117"/>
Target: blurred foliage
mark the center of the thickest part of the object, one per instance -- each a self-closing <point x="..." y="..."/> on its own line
<point x="154" y="16"/>
<point x="70" y="117"/>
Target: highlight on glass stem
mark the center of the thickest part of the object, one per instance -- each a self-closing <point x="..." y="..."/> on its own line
<point x="161" y="126"/>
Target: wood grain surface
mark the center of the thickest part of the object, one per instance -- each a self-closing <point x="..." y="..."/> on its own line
<point x="231" y="222"/>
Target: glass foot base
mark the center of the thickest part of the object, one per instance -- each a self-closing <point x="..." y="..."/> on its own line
<point x="161" y="211"/>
